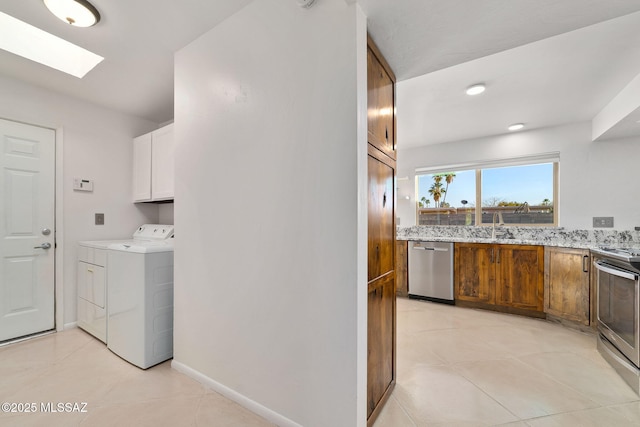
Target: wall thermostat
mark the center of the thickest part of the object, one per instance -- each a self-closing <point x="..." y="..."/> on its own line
<point x="306" y="3"/>
<point x="80" y="184"/>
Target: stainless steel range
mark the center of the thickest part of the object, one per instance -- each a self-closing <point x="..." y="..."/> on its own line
<point x="618" y="310"/>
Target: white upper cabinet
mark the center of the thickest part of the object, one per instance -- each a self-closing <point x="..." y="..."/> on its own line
<point x="153" y="167"/>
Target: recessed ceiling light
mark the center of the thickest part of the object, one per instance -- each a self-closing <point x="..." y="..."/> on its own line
<point x="79" y="13"/>
<point x="32" y="43"/>
<point x="516" y="126"/>
<point x="476" y="89"/>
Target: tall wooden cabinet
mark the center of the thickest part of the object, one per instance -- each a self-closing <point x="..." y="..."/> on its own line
<point x="381" y="329"/>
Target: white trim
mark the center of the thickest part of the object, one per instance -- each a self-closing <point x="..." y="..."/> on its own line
<point x="27" y="338"/>
<point x="59" y="233"/>
<point x="70" y="325"/>
<point x="552" y="157"/>
<point x="240" y="399"/>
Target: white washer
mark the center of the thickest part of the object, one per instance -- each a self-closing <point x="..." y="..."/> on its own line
<point x="140" y="296"/>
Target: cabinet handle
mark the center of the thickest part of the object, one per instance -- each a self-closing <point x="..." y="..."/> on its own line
<point x="498" y="257"/>
<point x="585" y="264"/>
<point x="384" y="199"/>
<point x="386" y="134"/>
<point x="491" y="261"/>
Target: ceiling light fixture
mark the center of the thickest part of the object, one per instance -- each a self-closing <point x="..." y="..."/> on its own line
<point x="516" y="126"/>
<point x="476" y="89"/>
<point x="32" y="43"/>
<point x="79" y="13"/>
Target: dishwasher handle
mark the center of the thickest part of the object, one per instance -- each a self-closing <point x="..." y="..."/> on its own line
<point x="422" y="248"/>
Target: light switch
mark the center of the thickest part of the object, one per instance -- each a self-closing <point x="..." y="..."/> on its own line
<point x="602" y="222"/>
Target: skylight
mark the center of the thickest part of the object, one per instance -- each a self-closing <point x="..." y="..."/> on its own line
<point x="32" y="43"/>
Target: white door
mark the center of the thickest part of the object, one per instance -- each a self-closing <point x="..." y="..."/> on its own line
<point x="27" y="172"/>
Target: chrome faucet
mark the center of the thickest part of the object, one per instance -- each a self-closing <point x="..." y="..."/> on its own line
<point x="500" y="222"/>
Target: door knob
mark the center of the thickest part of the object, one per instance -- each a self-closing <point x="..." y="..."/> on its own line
<point x="46" y="245"/>
<point x="46" y="231"/>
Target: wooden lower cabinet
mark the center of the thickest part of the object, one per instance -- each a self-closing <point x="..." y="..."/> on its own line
<point x="381" y="341"/>
<point x="567" y="284"/>
<point x="402" y="268"/>
<point x="520" y="278"/>
<point x="474" y="275"/>
<point x="506" y="278"/>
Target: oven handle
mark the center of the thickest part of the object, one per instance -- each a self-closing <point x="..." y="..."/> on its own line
<point x="615" y="271"/>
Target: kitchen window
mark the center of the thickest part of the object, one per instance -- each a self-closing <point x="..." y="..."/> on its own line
<point x="520" y="191"/>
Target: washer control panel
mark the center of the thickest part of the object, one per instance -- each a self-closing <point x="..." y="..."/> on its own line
<point x="153" y="232"/>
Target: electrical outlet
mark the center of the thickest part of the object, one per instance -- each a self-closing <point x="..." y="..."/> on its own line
<point x="99" y="219"/>
<point x="602" y="222"/>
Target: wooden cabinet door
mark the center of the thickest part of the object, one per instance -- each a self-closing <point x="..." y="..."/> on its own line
<point x="474" y="272"/>
<point x="520" y="276"/>
<point x="380" y="106"/>
<point x="402" y="276"/>
<point x="566" y="283"/>
<point x="381" y="340"/>
<point x="380" y="221"/>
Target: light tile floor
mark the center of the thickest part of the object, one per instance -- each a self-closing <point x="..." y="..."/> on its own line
<point x="456" y="367"/>
<point x="72" y="366"/>
<point x="464" y="367"/>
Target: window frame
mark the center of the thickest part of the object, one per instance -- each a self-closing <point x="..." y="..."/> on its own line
<point x="553" y="158"/>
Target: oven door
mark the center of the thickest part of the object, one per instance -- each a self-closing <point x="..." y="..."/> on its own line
<point x="618" y="304"/>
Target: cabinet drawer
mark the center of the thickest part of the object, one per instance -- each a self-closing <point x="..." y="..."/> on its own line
<point x="91" y="283"/>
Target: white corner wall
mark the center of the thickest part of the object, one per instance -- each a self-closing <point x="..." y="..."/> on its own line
<point x="596" y="178"/>
<point x="270" y="148"/>
<point x="96" y="145"/>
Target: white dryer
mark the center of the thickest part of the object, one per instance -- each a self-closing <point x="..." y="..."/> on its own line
<point x="140" y="296"/>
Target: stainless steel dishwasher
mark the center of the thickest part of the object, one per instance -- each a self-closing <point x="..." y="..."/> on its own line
<point x="431" y="271"/>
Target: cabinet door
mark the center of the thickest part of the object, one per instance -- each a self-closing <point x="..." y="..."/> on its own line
<point x="566" y="283"/>
<point x="142" y="168"/>
<point x="402" y="277"/>
<point x="381" y="340"/>
<point x="520" y="276"/>
<point x="162" y="165"/>
<point x="380" y="106"/>
<point x="381" y="240"/>
<point x="474" y="272"/>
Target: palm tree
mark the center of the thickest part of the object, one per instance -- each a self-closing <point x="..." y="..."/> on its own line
<point x="436" y="192"/>
<point x="448" y="178"/>
<point x="424" y="202"/>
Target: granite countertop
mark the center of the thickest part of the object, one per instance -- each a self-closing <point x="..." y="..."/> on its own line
<point x="544" y="236"/>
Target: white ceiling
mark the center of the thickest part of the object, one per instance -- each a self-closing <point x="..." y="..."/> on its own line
<point x="137" y="38"/>
<point x="544" y="62"/>
<point x="534" y="71"/>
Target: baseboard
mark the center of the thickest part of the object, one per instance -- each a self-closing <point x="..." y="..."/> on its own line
<point x="240" y="399"/>
<point x="69" y="325"/>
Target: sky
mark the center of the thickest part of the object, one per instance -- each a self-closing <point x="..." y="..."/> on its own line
<point x="530" y="183"/>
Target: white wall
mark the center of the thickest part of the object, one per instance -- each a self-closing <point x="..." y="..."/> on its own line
<point x="96" y="145"/>
<point x="165" y="213"/>
<point x="267" y="287"/>
<point x="596" y="178"/>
